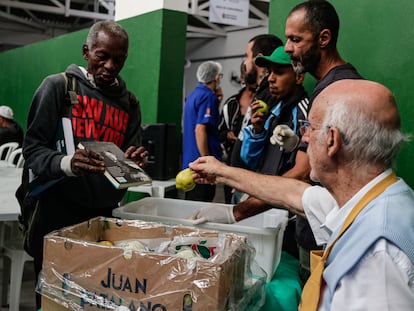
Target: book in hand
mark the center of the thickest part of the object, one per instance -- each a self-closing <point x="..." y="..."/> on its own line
<point x="121" y="172"/>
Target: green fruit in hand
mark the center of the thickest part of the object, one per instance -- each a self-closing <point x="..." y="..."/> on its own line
<point x="184" y="180"/>
<point x="264" y="109"/>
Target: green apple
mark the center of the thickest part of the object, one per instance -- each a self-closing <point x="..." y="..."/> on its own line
<point x="184" y="180"/>
<point x="264" y="109"/>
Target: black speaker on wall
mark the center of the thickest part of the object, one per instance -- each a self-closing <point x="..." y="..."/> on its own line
<point x="161" y="142"/>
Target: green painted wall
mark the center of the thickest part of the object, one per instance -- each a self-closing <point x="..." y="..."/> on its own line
<point x="23" y="69"/>
<point x="153" y="71"/>
<point x="155" y="66"/>
<point x="377" y="38"/>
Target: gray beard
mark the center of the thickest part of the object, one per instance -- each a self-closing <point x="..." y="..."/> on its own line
<point x="299" y="68"/>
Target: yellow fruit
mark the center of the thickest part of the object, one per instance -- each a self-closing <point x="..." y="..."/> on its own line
<point x="106" y="243"/>
<point x="184" y="180"/>
<point x="264" y="109"/>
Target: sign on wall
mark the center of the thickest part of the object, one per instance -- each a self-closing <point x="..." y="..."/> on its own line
<point x="230" y="12"/>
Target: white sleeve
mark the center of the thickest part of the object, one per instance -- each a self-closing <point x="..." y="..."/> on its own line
<point x="317" y="203"/>
<point x="382" y="280"/>
<point x="65" y="165"/>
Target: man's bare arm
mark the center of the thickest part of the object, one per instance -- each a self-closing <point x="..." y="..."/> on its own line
<point x="253" y="206"/>
<point x="201" y="139"/>
<point x="274" y="190"/>
<point x="248" y="208"/>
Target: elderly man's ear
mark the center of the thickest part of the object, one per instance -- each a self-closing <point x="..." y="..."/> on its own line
<point x="333" y="141"/>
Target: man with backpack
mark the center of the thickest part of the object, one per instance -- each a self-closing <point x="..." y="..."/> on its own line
<point x="102" y="109"/>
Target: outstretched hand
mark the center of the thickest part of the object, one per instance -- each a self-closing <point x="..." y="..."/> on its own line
<point x="206" y="170"/>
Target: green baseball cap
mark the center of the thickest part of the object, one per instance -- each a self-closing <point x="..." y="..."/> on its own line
<point x="279" y="56"/>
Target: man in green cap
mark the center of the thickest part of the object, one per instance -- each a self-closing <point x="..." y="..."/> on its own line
<point x="291" y="105"/>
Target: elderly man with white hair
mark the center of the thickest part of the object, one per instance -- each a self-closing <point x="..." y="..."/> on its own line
<point x="200" y="125"/>
<point x="10" y="130"/>
<point x="364" y="215"/>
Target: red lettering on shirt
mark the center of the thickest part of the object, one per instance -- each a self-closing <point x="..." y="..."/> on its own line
<point x="88" y="121"/>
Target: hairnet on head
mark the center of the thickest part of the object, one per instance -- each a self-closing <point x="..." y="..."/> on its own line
<point x="208" y="71"/>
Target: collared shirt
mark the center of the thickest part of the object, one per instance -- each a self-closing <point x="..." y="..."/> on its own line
<point x="324" y="214"/>
<point x="384" y="277"/>
<point x="318" y="203"/>
<point x="201" y="107"/>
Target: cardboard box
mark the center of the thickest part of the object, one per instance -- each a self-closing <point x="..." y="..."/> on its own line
<point x="263" y="231"/>
<point x="81" y="274"/>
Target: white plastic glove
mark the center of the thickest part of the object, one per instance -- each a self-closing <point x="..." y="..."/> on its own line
<point x="285" y="137"/>
<point x="219" y="213"/>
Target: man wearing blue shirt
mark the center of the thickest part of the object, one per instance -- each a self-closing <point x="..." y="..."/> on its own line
<point x="200" y="125"/>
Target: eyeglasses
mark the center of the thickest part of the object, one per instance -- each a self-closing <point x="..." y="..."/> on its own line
<point x="306" y="126"/>
<point x="220" y="75"/>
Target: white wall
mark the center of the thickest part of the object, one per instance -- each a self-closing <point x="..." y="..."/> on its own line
<point x="228" y="51"/>
<point x="129" y="8"/>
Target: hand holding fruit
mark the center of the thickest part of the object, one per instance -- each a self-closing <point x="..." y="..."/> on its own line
<point x="259" y="115"/>
<point x="184" y="180"/>
<point x="264" y="108"/>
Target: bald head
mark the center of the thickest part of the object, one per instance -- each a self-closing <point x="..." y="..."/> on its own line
<point x="366" y="114"/>
<point x="371" y="98"/>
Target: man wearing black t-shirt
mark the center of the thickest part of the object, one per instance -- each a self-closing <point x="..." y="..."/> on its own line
<point x="312" y="31"/>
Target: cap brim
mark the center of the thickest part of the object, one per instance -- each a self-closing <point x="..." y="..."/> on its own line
<point x="262" y="61"/>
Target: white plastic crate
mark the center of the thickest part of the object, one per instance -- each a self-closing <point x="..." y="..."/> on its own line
<point x="264" y="231"/>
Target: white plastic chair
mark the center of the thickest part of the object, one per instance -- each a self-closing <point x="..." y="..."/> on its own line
<point x="6" y="150"/>
<point x="13" y="250"/>
<point x="16" y="158"/>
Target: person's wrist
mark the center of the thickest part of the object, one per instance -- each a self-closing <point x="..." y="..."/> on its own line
<point x="236" y="214"/>
<point x="66" y="167"/>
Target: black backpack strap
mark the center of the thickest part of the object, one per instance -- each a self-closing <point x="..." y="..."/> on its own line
<point x="36" y="185"/>
<point x="70" y="93"/>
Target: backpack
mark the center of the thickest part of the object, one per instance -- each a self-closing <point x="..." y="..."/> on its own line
<point x="28" y="201"/>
